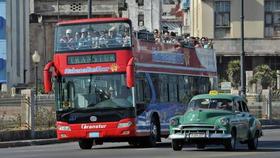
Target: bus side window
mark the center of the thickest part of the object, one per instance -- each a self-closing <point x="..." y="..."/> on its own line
<point x="143" y="92"/>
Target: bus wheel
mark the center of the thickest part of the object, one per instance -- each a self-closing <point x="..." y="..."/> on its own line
<point x="154" y="133"/>
<point x="86" y="143"/>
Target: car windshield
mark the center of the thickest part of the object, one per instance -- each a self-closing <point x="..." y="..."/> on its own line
<point x="93" y="36"/>
<point x="93" y="91"/>
<point x="223" y="104"/>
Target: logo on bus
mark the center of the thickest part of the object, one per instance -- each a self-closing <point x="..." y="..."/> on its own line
<point x="93" y="118"/>
<point x="99" y="126"/>
<point x="114" y="67"/>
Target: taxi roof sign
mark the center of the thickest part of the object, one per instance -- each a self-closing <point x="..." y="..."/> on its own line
<point x="213" y="92"/>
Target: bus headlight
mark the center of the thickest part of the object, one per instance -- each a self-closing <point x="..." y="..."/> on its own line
<point x="124" y="124"/>
<point x="64" y="128"/>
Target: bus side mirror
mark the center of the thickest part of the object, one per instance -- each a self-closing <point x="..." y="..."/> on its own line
<point x="47" y="81"/>
<point x="48" y="77"/>
<point x="130" y="74"/>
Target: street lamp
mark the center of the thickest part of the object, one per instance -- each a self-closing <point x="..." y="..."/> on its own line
<point x="36" y="59"/>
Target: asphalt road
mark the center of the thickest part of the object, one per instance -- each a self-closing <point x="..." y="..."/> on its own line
<point x="269" y="148"/>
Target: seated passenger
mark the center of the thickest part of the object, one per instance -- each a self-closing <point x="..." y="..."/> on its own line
<point x="84" y="42"/>
<point x="95" y="40"/>
<point x="103" y="40"/>
<point x="66" y="42"/>
<point x="126" y="39"/>
<point x="67" y="38"/>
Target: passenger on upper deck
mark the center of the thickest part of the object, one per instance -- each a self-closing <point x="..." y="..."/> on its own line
<point x="84" y="41"/>
<point x="157" y="36"/>
<point x="95" y="39"/>
<point x="114" y="38"/>
<point x="103" y="40"/>
<point x="66" y="40"/>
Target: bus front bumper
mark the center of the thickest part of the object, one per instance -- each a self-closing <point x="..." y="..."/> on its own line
<point x="122" y="128"/>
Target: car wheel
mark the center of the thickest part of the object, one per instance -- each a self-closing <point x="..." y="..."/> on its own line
<point x="177" y="145"/>
<point x="253" y="142"/>
<point x="200" y="146"/>
<point x="230" y="144"/>
<point x="86" y="143"/>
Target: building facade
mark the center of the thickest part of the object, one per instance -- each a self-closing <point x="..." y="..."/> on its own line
<point x="220" y="20"/>
<point x="144" y="14"/>
<point x="30" y="27"/>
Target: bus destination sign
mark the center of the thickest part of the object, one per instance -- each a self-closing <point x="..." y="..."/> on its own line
<point x="91" y="59"/>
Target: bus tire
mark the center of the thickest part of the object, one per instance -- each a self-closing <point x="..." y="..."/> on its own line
<point x="154" y="133"/>
<point x="86" y="143"/>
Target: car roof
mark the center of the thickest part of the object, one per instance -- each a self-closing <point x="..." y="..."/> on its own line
<point x="218" y="96"/>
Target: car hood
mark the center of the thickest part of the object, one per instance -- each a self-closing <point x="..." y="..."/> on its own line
<point x="207" y="116"/>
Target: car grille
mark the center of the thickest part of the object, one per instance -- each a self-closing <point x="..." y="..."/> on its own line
<point x="199" y="128"/>
<point x="194" y="127"/>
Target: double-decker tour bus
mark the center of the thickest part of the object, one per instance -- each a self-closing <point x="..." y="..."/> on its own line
<point x="112" y="84"/>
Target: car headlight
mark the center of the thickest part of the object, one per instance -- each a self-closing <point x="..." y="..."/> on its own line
<point x="224" y="121"/>
<point x="174" y="122"/>
<point x="124" y="124"/>
<point x="64" y="128"/>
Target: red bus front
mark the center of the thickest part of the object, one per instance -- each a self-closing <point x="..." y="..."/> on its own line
<point x="93" y="80"/>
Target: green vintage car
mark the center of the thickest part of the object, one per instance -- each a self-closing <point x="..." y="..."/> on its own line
<point x="215" y="119"/>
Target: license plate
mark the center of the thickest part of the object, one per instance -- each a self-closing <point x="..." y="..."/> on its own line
<point x="94" y="135"/>
<point x="197" y="135"/>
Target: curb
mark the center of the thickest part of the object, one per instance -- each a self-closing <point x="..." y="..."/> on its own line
<point x="31" y="142"/>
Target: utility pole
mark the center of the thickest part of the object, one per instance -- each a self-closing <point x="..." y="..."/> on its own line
<point x="89" y="8"/>
<point x="242" y="54"/>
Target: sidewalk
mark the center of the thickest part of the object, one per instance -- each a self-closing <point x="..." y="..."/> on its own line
<point x="20" y="143"/>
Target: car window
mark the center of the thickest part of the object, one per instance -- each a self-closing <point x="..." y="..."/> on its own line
<point x="238" y="106"/>
<point x="224" y="104"/>
<point x="245" y="107"/>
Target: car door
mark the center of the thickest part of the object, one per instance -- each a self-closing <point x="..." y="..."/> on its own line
<point x="249" y="117"/>
<point x="236" y="119"/>
<point x="244" y="122"/>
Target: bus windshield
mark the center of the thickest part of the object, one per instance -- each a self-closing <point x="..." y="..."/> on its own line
<point x="93" y="36"/>
<point x="93" y="91"/>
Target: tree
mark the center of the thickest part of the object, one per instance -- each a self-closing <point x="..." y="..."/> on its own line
<point x="265" y="75"/>
<point x="233" y="72"/>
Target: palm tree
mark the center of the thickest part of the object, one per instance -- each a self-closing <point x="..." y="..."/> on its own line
<point x="265" y="75"/>
<point x="233" y="72"/>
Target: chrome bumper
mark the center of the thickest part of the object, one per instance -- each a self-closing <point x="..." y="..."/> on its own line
<point x="206" y="136"/>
